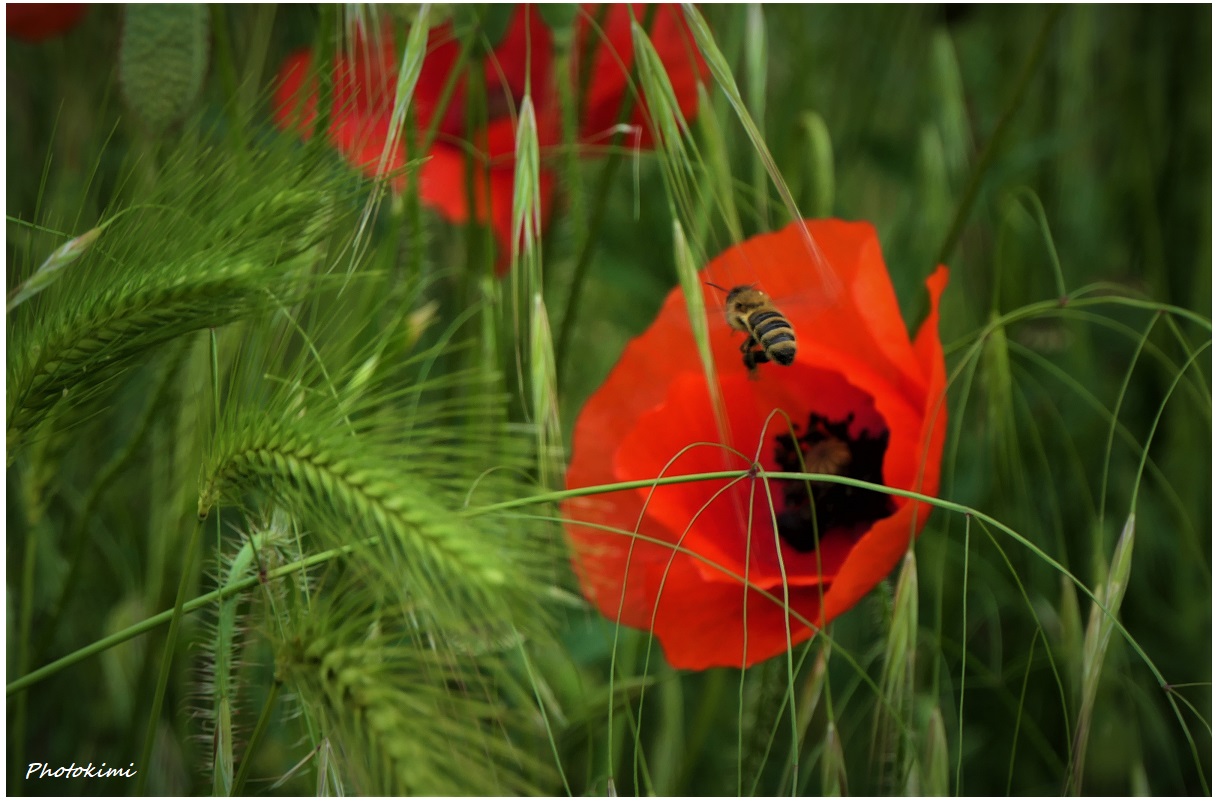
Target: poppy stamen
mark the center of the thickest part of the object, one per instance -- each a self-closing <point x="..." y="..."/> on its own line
<point x="811" y="510"/>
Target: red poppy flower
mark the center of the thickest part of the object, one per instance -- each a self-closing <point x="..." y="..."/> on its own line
<point x="365" y="80"/>
<point x="860" y="400"/>
<point x="34" y="22"/>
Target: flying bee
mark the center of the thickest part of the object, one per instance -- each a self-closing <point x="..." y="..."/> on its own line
<point x="770" y="335"/>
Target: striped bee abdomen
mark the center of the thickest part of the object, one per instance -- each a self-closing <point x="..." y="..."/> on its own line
<point x="774" y="334"/>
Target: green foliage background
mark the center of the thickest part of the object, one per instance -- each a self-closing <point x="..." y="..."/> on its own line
<point x="378" y="600"/>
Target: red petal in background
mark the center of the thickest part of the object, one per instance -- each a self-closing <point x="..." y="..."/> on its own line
<point x="34" y="22"/>
<point x="443" y="185"/>
<point x="365" y="81"/>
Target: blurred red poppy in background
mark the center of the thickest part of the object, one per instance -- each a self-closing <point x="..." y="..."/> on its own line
<point x="34" y="22"/>
<point x="365" y="81"/>
<point x="861" y="400"/>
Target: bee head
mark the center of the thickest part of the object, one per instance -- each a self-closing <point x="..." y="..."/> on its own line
<point x="737" y="292"/>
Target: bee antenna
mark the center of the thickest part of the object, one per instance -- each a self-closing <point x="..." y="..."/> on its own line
<point x="716" y="286"/>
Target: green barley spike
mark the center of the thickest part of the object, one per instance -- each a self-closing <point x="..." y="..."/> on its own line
<point x="526" y="194"/>
<point x="50" y="270"/>
<point x="756" y="56"/>
<point x="1100" y="626"/>
<point x="1071" y="643"/>
<point x="401" y="719"/>
<point x="691" y="288"/>
<point x="719" y="175"/>
<point x="832" y="764"/>
<point x="163" y="60"/>
<point x="935" y="756"/>
<point x="896" y="680"/>
<point x="819" y="164"/>
<point x="544" y="383"/>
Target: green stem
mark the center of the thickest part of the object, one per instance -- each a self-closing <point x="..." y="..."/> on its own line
<point x="171" y="642"/>
<point x="223" y="59"/>
<point x="264" y="719"/>
<point x="323" y="49"/>
<point x="26" y="623"/>
<point x="760" y="722"/>
<point x="568" y="103"/>
<point x="992" y="146"/>
<point x="412" y="209"/>
<point x="710" y="703"/>
<point x="608" y="172"/>
<point x="446" y="94"/>
<point x="585" y="57"/>
<point x="78" y="536"/>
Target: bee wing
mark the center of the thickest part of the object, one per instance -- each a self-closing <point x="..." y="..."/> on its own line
<point x="797" y="303"/>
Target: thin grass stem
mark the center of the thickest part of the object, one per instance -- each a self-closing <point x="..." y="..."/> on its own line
<point x="992" y="146"/>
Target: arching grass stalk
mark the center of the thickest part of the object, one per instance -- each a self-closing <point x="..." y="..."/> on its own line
<point x="1121" y="430"/>
<point x="1079" y="299"/>
<point x="781" y="702"/>
<point x="144" y="626"/>
<point x="1112" y="426"/>
<point x="761" y="474"/>
<point x="552" y="497"/>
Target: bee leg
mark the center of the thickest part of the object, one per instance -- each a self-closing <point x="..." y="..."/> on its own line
<point x="752" y="358"/>
<point x="754" y="354"/>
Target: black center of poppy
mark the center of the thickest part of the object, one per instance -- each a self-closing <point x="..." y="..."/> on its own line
<point x="809" y="508"/>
